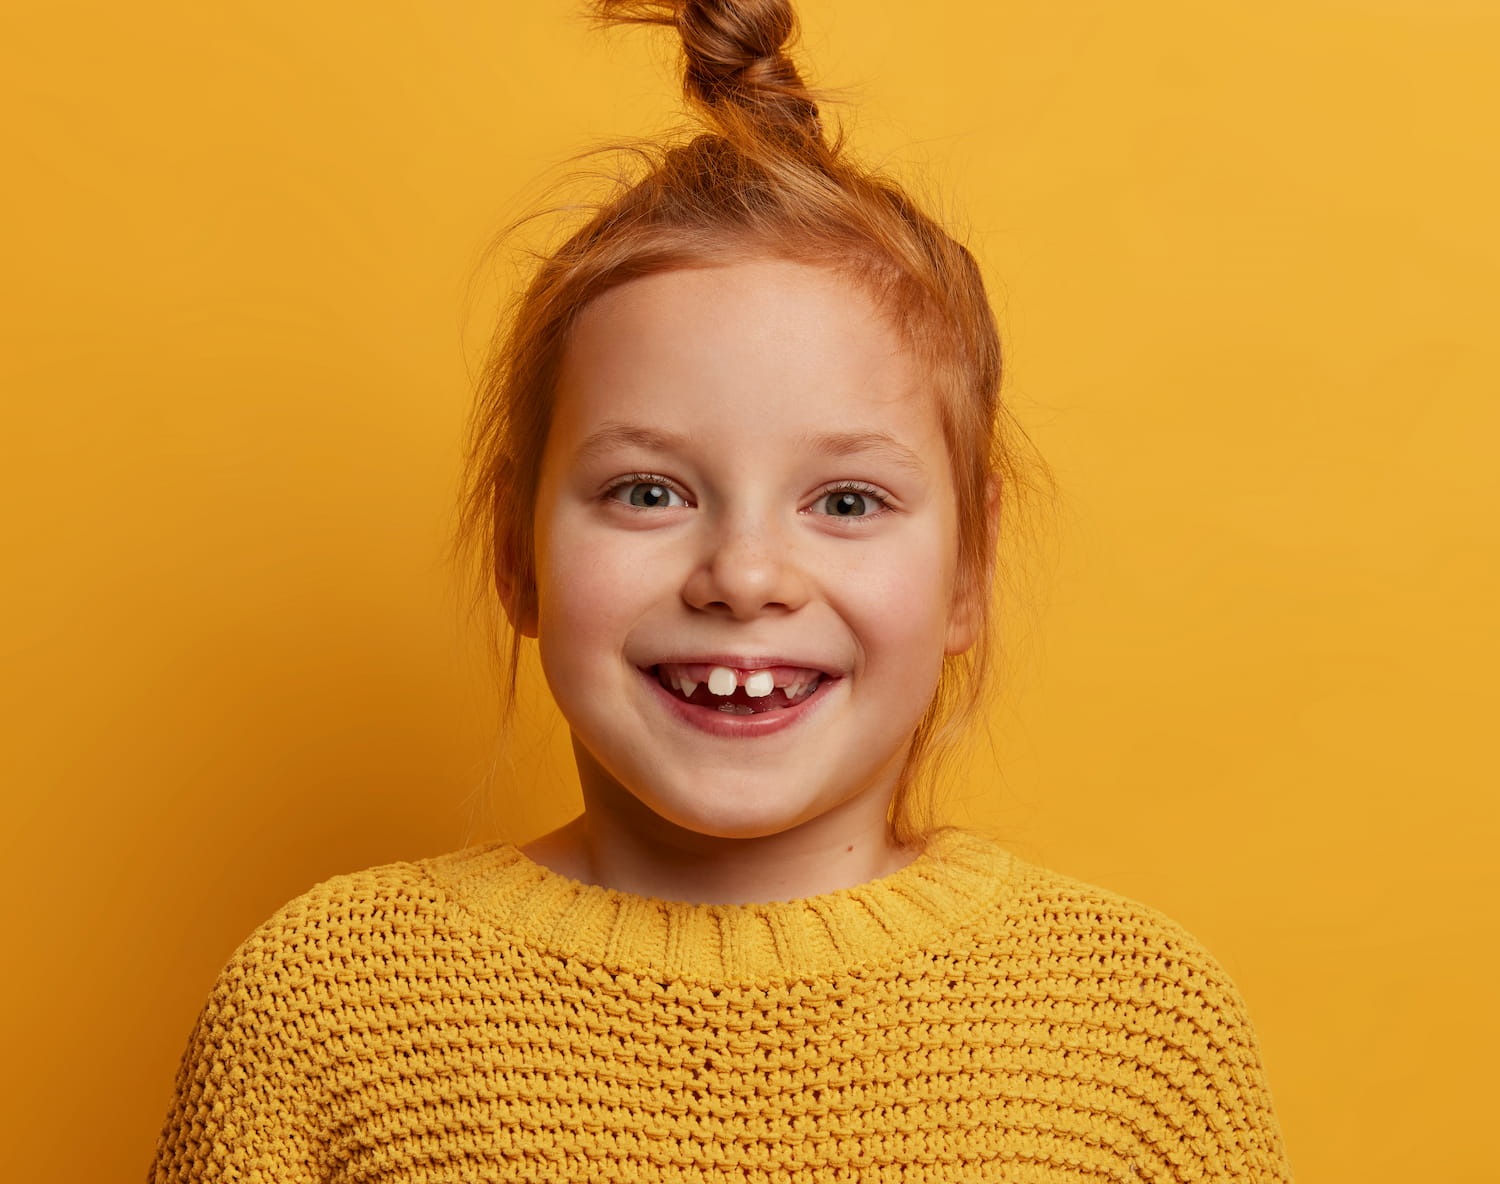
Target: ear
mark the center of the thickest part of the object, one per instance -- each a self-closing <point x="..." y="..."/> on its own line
<point x="519" y="602"/>
<point x="971" y="592"/>
<point x="515" y="582"/>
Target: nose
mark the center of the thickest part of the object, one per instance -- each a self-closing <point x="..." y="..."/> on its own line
<point x="748" y="568"/>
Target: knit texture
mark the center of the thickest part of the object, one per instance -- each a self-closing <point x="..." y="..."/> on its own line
<point x="477" y="1017"/>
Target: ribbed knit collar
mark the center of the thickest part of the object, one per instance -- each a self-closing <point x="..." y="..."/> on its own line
<point x="959" y="874"/>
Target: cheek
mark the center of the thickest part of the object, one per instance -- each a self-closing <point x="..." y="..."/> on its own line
<point x="571" y="604"/>
<point x="591" y="586"/>
<point x="902" y="608"/>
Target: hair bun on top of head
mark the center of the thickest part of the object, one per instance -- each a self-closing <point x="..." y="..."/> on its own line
<point x="737" y="69"/>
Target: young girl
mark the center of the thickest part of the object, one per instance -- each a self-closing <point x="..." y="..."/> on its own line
<point x="738" y="466"/>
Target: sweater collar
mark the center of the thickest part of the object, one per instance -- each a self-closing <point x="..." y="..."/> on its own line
<point x="959" y="874"/>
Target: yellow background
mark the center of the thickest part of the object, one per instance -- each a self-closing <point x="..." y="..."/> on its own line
<point x="1246" y="261"/>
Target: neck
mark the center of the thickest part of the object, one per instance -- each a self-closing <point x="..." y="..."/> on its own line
<point x="620" y="844"/>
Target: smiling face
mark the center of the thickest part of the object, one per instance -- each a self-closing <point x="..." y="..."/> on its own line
<point x="746" y="551"/>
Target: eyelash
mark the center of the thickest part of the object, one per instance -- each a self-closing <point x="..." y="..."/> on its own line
<point x="630" y="479"/>
<point x="864" y="489"/>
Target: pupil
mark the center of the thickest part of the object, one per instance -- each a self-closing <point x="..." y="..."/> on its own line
<point x="648" y="495"/>
<point x="847" y="505"/>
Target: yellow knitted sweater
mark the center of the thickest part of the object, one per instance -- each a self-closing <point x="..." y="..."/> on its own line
<point x="477" y="1017"/>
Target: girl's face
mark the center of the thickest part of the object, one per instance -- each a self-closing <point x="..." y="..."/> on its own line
<point x="746" y="550"/>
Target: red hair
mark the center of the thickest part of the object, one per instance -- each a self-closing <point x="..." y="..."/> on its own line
<point x="763" y="179"/>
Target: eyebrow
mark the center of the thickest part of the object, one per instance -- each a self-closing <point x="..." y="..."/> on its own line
<point x="879" y="444"/>
<point x="628" y="435"/>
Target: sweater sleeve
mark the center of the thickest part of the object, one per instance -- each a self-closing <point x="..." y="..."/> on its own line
<point x="1218" y="1122"/>
<point x="240" y="1110"/>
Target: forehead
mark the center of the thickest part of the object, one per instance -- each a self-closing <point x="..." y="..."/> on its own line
<point x="745" y="350"/>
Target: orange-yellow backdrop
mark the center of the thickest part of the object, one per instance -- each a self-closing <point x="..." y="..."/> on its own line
<point x="1246" y="263"/>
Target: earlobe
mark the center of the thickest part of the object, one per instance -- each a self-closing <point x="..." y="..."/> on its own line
<point x="964" y="621"/>
<point x="961" y="636"/>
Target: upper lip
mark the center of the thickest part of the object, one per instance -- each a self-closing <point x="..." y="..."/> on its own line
<point x="743" y="662"/>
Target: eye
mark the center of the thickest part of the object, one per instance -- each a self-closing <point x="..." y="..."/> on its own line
<point x="852" y="500"/>
<point x="644" y="492"/>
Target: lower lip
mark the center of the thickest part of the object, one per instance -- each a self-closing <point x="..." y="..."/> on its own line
<point x="736" y="727"/>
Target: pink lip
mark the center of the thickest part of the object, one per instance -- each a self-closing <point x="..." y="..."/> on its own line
<point x="736" y="727"/>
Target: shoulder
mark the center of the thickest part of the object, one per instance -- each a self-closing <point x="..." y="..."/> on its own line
<point x="351" y="929"/>
<point x="302" y="1002"/>
<point x="1121" y="987"/>
<point x="1113" y="947"/>
<point x="1113" y="971"/>
<point x="346" y="906"/>
<point x="1070" y="923"/>
<point x="1040" y="931"/>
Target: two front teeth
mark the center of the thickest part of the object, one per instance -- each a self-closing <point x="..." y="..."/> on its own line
<point x="724" y="680"/>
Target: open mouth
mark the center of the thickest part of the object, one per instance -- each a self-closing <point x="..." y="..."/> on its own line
<point x="738" y="692"/>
